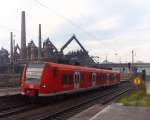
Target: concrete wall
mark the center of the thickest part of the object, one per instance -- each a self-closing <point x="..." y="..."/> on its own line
<point x="9" y="80"/>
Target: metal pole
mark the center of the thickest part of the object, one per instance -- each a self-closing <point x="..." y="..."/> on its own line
<point x="11" y="47"/>
<point x="39" y="50"/>
<point x="132" y="66"/>
<point x="120" y="63"/>
<point x="132" y="57"/>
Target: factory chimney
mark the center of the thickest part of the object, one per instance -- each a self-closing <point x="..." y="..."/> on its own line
<point x="23" y="36"/>
<point x="39" y="49"/>
<point x="11" y="47"/>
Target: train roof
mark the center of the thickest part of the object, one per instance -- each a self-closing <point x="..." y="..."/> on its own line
<point x="78" y="67"/>
<point x="72" y="66"/>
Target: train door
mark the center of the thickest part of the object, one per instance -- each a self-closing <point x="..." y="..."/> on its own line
<point x="93" y="79"/>
<point x="76" y="80"/>
<point x="107" y="79"/>
<point x="114" y="78"/>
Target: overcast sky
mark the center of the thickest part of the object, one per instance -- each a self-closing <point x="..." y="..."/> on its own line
<point x="104" y="27"/>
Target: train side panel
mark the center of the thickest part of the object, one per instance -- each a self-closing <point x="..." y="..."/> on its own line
<point x="66" y="80"/>
<point x="58" y="79"/>
<point x="23" y="79"/>
<point x="46" y="83"/>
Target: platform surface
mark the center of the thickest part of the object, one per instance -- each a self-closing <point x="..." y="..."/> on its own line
<point x="114" y="112"/>
<point x="9" y="91"/>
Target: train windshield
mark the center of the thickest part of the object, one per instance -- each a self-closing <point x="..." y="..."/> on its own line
<point x="33" y="73"/>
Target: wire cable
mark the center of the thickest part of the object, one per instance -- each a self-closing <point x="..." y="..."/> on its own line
<point x="66" y="19"/>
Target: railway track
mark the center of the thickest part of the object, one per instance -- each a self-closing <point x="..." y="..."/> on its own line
<point x="12" y="104"/>
<point x="74" y="109"/>
<point x="11" y="101"/>
<point x="64" y="108"/>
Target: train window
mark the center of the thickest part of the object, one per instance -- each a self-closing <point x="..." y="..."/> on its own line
<point x="110" y="77"/>
<point x="118" y="77"/>
<point x="90" y="76"/>
<point x="93" y="76"/>
<point x="113" y="77"/>
<point x="107" y="76"/>
<point x="100" y="77"/>
<point x="64" y="79"/>
<point x="81" y="77"/>
<point x="70" y="79"/>
<point x="97" y="77"/>
<point x="55" y="72"/>
<point x="78" y="77"/>
<point x="104" y="77"/>
<point x="33" y="73"/>
<point x="67" y="79"/>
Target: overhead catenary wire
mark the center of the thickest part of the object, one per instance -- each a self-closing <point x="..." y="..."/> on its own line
<point x="9" y="29"/>
<point x="59" y="15"/>
<point x="67" y="20"/>
<point x="17" y="31"/>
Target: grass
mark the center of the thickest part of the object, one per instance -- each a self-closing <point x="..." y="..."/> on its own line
<point x="136" y="98"/>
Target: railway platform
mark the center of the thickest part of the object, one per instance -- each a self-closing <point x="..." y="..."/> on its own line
<point x="8" y="91"/>
<point x="113" y="112"/>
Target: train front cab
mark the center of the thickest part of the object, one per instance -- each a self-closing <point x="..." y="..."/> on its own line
<point x="31" y="77"/>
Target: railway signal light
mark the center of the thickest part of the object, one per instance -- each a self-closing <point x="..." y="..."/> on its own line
<point x="137" y="81"/>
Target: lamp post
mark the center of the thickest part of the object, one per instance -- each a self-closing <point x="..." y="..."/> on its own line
<point x="116" y="54"/>
<point x="119" y="61"/>
<point x="106" y="60"/>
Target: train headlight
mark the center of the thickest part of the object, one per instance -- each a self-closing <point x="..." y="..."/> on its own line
<point x="43" y="86"/>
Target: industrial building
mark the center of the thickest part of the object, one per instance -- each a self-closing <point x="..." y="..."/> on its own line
<point x="47" y="51"/>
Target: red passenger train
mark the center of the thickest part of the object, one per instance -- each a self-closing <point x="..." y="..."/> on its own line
<point x="49" y="79"/>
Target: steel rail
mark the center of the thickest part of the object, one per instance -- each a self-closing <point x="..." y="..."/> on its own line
<point x="103" y="100"/>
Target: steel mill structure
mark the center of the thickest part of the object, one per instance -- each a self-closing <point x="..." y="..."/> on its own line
<point x="45" y="51"/>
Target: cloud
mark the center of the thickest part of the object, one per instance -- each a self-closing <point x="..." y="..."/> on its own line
<point x="112" y="26"/>
<point x="108" y="24"/>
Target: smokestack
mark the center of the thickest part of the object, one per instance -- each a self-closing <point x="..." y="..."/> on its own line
<point x="23" y="36"/>
<point x="39" y="49"/>
<point x="11" y="47"/>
